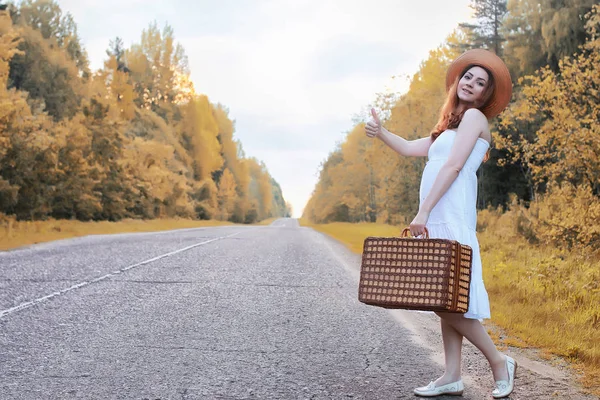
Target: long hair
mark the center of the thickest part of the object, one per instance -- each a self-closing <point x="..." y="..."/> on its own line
<point x="449" y="117"/>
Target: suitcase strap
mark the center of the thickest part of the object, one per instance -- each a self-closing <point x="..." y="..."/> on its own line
<point x="456" y="282"/>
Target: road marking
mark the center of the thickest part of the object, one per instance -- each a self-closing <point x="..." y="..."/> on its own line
<point x="31" y="303"/>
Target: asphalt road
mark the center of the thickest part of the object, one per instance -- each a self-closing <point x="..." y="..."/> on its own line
<point x="267" y="312"/>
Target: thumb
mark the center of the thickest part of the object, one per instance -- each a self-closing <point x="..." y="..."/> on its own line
<point x="375" y="117"/>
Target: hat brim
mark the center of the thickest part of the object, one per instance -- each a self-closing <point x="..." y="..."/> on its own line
<point x="490" y="61"/>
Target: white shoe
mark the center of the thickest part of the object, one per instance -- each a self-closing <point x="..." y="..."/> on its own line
<point x="504" y="388"/>
<point x="452" y="389"/>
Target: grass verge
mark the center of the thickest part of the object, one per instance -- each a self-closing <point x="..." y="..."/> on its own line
<point x="15" y="234"/>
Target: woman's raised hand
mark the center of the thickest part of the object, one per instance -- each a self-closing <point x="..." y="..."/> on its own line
<point x="373" y="127"/>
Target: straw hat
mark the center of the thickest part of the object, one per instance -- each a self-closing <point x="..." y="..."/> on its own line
<point x="502" y="82"/>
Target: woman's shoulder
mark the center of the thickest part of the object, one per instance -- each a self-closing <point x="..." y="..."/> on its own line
<point x="474" y="117"/>
<point x="475" y="114"/>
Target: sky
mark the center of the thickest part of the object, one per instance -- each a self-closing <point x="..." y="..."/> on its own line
<point x="293" y="73"/>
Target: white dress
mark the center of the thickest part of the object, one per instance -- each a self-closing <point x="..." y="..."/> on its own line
<point x="455" y="215"/>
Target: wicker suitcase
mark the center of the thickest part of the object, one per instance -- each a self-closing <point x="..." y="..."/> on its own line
<point x="415" y="274"/>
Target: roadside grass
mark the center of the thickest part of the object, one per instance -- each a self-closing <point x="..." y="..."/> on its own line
<point x="15" y="234"/>
<point x="541" y="296"/>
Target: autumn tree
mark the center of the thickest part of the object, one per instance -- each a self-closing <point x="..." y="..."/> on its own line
<point x="226" y="195"/>
<point x="200" y="130"/>
<point x="14" y="116"/>
<point x="279" y="207"/>
<point x="261" y="195"/>
<point x="116" y="77"/>
<point x="154" y="65"/>
<point x="325" y="203"/>
<point x="486" y="32"/>
<point x="541" y="33"/>
<point x="46" y="17"/>
<point x="51" y="60"/>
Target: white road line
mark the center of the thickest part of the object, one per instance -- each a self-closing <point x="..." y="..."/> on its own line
<point x="27" y="304"/>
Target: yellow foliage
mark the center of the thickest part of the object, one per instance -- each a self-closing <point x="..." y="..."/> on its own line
<point x="54" y="54"/>
<point x="565" y="106"/>
<point x="260" y="189"/>
<point x="132" y="139"/>
<point x="266" y="195"/>
<point x="183" y="86"/>
<point x="230" y="149"/>
<point x="148" y="161"/>
<point x="12" y="104"/>
<point x="206" y="196"/>
<point x="200" y="126"/>
<point x="566" y="216"/>
<point x="9" y="41"/>
<point x="120" y="88"/>
<point x="227" y="195"/>
<point x="158" y="68"/>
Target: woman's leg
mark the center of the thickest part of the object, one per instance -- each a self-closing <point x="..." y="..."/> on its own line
<point x="476" y="334"/>
<point x="452" y="353"/>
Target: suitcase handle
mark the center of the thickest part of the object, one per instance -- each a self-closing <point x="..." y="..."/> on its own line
<point x="406" y="232"/>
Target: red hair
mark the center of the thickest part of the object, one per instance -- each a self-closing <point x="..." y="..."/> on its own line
<point x="449" y="117"/>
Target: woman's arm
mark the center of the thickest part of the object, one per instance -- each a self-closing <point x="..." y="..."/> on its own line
<point x="472" y="125"/>
<point x="408" y="148"/>
<point x="414" y="148"/>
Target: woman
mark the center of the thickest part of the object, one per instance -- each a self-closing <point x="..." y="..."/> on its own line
<point x="479" y="87"/>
